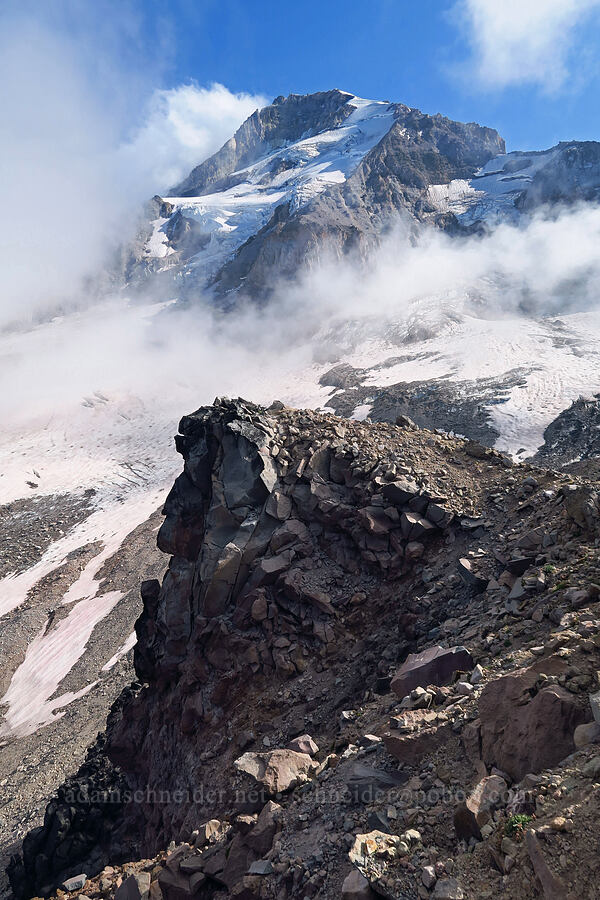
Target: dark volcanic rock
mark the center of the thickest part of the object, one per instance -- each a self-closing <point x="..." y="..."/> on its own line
<point x="573" y="436"/>
<point x="433" y="666"/>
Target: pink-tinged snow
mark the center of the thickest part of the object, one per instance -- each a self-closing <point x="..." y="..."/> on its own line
<point x="121" y="652"/>
<point x="110" y="524"/>
<point x="51" y="656"/>
<point x="30" y="699"/>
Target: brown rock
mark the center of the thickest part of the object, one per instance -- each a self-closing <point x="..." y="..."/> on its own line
<point x="135" y="887"/>
<point x="522" y="731"/>
<point x="155" y="892"/>
<point x="401" y="491"/>
<point x="415" y="527"/>
<point x="588" y="733"/>
<point x="174" y="886"/>
<point x="356" y="887"/>
<point x="476" y="811"/>
<point x="260" y="838"/>
<point x="410" y="748"/>
<point x="276" y="770"/>
<point x="414" y="550"/>
<point x="434" y="666"/>
<point x="553" y="887"/>
<point x="239" y="860"/>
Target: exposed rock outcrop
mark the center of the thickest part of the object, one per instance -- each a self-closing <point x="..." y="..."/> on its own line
<point x="292" y="604"/>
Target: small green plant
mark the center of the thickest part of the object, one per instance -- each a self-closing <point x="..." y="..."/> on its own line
<point x="549" y="569"/>
<point x="516" y="825"/>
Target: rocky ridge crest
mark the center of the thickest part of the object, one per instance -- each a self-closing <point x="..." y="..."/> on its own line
<point x="282" y="734"/>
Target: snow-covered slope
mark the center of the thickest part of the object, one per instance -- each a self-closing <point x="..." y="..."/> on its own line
<point x="303" y="175"/>
<point x="511" y="183"/>
<point x="293" y="174"/>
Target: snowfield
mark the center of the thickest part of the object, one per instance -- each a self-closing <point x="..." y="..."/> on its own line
<point x="489" y="196"/>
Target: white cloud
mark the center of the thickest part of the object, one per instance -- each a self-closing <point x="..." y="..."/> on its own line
<point x="76" y="163"/>
<point x="524" y="41"/>
<point x="184" y="126"/>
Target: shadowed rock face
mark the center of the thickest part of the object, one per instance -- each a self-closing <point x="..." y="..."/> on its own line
<point x="573" y="436"/>
<point x="277" y="519"/>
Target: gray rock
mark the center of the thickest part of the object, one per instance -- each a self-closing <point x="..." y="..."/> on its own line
<point x="304" y="744"/>
<point x="261" y="867"/>
<point x="448" y="889"/>
<point x="135" y="887"/>
<point x="75" y="883"/>
<point x="356" y="887"/>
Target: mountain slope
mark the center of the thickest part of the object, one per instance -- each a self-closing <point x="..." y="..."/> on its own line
<point x="301" y="177"/>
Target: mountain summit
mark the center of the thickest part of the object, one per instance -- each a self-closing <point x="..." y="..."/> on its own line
<point x="328" y="172"/>
<point x="305" y="174"/>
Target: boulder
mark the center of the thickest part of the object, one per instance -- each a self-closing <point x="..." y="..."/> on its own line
<point x="276" y="770"/>
<point x="366" y="783"/>
<point x="470" y="577"/>
<point x="174" y="885"/>
<point x="477" y="809"/>
<point x="279" y="506"/>
<point x="415" y="527"/>
<point x="523" y="731"/>
<point x="238" y="863"/>
<point x="586" y="734"/>
<point x="356" y="887"/>
<point x="399" y="492"/>
<point x="436" y="665"/>
<point x="260" y="838"/>
<point x="595" y="705"/>
<point x="75" y="883"/>
<point x="582" y="504"/>
<point x="373" y="844"/>
<point x="304" y="744"/>
<point x="136" y="887"/>
<point x="208" y="832"/>
<point x="428" y="876"/>
<point x="414" y="550"/>
<point x="409" y="749"/>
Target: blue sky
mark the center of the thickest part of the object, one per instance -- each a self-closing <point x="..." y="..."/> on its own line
<point x="420" y="53"/>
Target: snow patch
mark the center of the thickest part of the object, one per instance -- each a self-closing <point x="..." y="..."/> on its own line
<point x="122" y="651"/>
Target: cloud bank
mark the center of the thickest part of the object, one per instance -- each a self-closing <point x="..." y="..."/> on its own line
<point x="180" y="357"/>
<point x="79" y="158"/>
<point x="525" y="41"/>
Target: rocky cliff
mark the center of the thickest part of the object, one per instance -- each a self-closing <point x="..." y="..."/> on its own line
<point x="372" y="649"/>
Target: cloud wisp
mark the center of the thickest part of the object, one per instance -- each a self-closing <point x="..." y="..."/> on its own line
<point x="525" y="41"/>
<point x="79" y="160"/>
